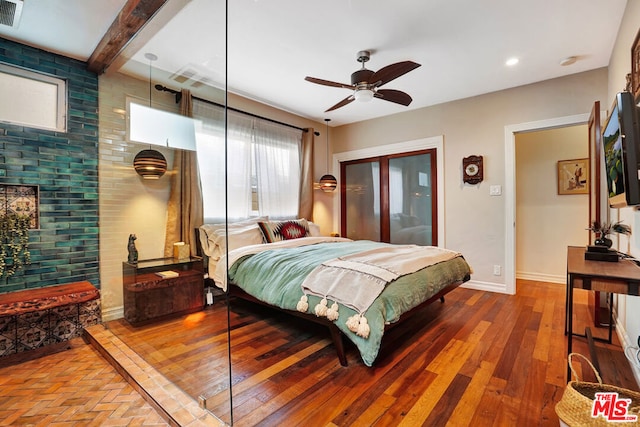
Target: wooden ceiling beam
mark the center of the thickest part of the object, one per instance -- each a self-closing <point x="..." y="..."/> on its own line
<point x="133" y="16"/>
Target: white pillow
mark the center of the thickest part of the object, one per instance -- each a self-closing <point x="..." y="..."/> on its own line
<point x="237" y="238"/>
<point x="314" y="229"/>
<point x="241" y="233"/>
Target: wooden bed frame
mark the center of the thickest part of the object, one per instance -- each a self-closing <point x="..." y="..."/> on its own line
<point x="337" y="335"/>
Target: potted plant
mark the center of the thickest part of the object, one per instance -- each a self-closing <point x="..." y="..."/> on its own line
<point x="14" y="243"/>
<point x="604" y="229"/>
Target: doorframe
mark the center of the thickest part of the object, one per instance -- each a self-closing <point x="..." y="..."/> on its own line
<point x="436" y="142"/>
<point x="510" y="184"/>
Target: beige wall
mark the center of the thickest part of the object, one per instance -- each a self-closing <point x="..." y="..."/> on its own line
<point x="546" y="222"/>
<point x="128" y="205"/>
<point x="474" y="220"/>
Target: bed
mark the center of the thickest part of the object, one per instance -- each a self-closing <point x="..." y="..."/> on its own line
<point x="358" y="289"/>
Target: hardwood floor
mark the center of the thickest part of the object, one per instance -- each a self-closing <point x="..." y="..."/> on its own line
<point x="479" y="359"/>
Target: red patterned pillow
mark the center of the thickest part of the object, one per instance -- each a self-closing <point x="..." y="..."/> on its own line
<point x="276" y="231"/>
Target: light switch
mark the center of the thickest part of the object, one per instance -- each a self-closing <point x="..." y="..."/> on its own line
<point x="495" y="190"/>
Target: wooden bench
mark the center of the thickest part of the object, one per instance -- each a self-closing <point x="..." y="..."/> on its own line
<point x="36" y="318"/>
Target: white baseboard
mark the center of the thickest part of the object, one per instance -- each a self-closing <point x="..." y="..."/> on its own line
<point x="486" y="286"/>
<point x="113" y="313"/>
<point x="541" y="277"/>
<point x="626" y="342"/>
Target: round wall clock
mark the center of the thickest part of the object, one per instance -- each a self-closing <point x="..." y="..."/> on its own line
<point x="472" y="169"/>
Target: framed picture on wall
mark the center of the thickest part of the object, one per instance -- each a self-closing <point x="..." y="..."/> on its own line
<point x="573" y="176"/>
<point x="21" y="200"/>
<point x="635" y="68"/>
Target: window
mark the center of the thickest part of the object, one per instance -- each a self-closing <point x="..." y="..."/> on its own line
<point x="158" y="127"/>
<point x="262" y="170"/>
<point x="37" y="100"/>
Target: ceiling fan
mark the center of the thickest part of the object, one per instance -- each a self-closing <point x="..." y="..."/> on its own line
<point x="365" y="83"/>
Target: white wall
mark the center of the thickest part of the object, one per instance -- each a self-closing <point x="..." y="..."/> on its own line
<point x="546" y="222"/>
<point x="474" y="220"/>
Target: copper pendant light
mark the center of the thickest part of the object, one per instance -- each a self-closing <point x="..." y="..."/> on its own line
<point x="150" y="164"/>
<point x="328" y="182"/>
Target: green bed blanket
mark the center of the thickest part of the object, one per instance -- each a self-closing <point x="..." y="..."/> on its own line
<point x="275" y="277"/>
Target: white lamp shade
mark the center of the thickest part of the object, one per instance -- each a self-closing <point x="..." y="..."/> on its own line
<point x="363" y="95"/>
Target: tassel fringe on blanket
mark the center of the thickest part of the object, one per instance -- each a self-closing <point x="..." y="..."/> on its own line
<point x="357" y="323"/>
<point x="303" y="304"/>
<point x="356" y="280"/>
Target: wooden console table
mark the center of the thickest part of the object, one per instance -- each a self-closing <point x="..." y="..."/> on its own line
<point x="148" y="297"/>
<point x="621" y="277"/>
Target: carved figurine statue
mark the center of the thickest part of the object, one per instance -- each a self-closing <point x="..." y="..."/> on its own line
<point x="133" y="252"/>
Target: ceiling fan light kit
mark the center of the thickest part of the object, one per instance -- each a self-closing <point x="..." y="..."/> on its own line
<point x="569" y="60"/>
<point x="363" y="95"/>
<point x="365" y="84"/>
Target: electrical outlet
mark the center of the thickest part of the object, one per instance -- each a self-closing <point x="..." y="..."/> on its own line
<point x="496" y="270"/>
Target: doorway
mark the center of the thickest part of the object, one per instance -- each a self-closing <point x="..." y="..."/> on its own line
<point x="552" y="200"/>
<point x="510" y="185"/>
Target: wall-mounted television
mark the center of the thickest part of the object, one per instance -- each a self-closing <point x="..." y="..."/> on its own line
<point x="621" y="146"/>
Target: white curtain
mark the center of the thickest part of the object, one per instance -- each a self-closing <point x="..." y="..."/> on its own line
<point x="263" y="161"/>
<point x="277" y="154"/>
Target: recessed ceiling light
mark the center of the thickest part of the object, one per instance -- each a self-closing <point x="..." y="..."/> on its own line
<point x="511" y="62"/>
<point x="568" y="60"/>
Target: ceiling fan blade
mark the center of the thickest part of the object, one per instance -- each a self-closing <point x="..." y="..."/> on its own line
<point x="393" y="95"/>
<point x="327" y="82"/>
<point x="342" y="103"/>
<point x="392" y="72"/>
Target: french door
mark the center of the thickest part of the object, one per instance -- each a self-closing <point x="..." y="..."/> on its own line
<point x="390" y="198"/>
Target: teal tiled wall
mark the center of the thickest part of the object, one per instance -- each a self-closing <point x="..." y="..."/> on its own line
<point x="65" y="167"/>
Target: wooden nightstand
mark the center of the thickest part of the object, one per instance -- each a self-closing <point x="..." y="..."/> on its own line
<point x="148" y="297"/>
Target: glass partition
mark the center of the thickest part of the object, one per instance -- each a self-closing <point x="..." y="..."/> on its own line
<point x="160" y="306"/>
<point x="391" y="198"/>
<point x="362" y="200"/>
<point x="410" y="197"/>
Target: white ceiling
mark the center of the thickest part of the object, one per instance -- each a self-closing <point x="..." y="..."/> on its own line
<point x="273" y="44"/>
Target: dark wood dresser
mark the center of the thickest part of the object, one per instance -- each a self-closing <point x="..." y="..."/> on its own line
<point x="148" y="296"/>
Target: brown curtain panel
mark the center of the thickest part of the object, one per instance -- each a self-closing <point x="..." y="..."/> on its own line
<point x="185" y="209"/>
<point x="305" y="210"/>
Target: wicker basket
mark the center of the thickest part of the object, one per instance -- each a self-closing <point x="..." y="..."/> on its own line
<point x="575" y="407"/>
